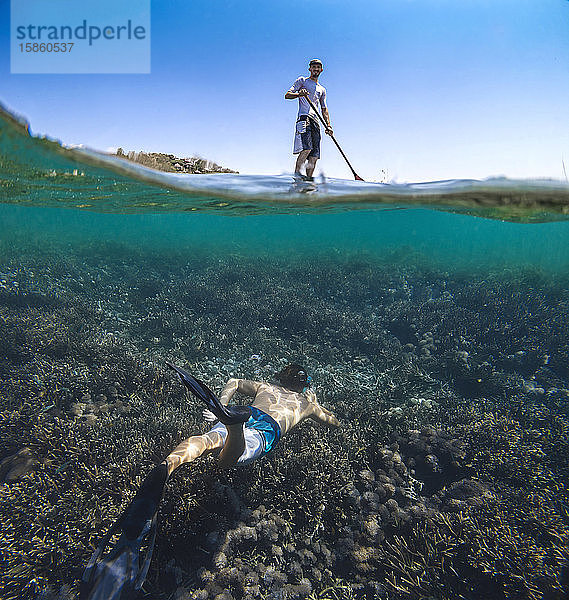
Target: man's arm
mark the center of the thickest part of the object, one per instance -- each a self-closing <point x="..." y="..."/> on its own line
<point x="243" y="386"/>
<point x="326" y="116"/>
<point x="323" y="415"/>
<point x="292" y="95"/>
<point x="320" y="414"/>
<point x="325" y="113"/>
<point x="296" y="90"/>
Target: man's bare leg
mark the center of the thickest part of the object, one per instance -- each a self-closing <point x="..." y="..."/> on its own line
<point x="137" y="524"/>
<point x="197" y="445"/>
<point x="310" y="166"/>
<point x="192" y="448"/>
<point x="234" y="446"/>
<point x="301" y="159"/>
<point x="146" y="501"/>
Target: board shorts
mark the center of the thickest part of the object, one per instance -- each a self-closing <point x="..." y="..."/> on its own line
<point x="307" y="136"/>
<point x="261" y="433"/>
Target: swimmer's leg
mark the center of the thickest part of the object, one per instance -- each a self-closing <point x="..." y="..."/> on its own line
<point x="125" y="565"/>
<point x="145" y="504"/>
<point x="234" y="446"/>
<point x="192" y="448"/>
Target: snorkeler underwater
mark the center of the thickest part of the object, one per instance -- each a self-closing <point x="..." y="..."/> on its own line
<point x="242" y="434"/>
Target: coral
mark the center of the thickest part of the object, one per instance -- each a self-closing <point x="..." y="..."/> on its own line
<point x="448" y="474"/>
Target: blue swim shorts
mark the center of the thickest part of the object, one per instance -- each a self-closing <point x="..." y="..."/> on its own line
<point x="307" y="136"/>
<point x="261" y="434"/>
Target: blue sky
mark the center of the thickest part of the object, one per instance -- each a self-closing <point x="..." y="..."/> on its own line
<point x="423" y="89"/>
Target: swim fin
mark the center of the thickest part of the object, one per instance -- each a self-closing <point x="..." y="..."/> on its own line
<point x="145" y="503"/>
<point x="120" y="573"/>
<point x="228" y="415"/>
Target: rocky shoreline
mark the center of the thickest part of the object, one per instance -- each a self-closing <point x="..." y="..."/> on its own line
<point x="173" y="164"/>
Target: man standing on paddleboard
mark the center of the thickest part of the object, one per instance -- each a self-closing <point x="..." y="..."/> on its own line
<point x="307" y="131"/>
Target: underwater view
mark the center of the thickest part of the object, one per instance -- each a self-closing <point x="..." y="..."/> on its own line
<point x="432" y="320"/>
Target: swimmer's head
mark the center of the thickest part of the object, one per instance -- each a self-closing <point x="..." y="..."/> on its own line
<point x="294" y="377"/>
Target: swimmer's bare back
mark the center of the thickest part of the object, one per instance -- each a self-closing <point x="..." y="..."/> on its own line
<point x="286" y="407"/>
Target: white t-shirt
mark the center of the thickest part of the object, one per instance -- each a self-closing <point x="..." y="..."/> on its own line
<point x="316" y="92"/>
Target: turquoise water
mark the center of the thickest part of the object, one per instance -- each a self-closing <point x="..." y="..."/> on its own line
<point x="433" y="318"/>
<point x="446" y="239"/>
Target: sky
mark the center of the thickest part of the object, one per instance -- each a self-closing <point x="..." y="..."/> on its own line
<point x="417" y="90"/>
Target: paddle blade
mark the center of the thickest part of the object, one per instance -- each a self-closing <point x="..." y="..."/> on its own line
<point x="358" y="178"/>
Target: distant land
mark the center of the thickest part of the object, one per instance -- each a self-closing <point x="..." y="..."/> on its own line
<point x="172" y="164"/>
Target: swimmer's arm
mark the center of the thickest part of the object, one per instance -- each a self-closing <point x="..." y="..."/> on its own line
<point x="320" y="414"/>
<point x="323" y="415"/>
<point x="243" y="386"/>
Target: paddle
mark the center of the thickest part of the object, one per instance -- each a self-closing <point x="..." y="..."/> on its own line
<point x="356" y="176"/>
